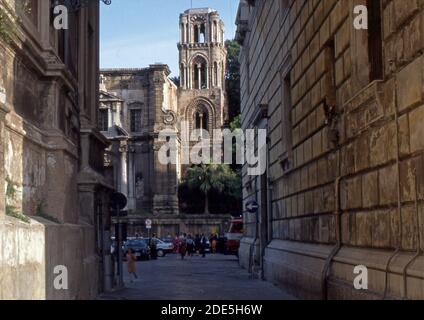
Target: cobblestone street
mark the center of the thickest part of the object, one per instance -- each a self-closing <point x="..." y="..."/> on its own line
<point x="216" y="277"/>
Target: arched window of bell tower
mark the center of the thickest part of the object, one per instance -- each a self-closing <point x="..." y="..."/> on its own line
<point x="199" y="33"/>
<point x="202" y="33"/>
<point x="196" y="33"/>
<point x="199" y="68"/>
<point x="201" y="120"/>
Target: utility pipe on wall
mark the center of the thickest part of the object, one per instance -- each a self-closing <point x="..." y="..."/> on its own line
<point x="336" y="248"/>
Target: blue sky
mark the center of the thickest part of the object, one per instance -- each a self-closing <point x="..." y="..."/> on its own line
<point x="136" y="33"/>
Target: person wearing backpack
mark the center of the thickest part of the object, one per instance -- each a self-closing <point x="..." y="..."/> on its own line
<point x="190" y="246"/>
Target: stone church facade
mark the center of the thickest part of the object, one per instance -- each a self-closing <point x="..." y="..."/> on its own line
<point x="344" y="110"/>
<point x="53" y="191"/>
<point x="137" y="104"/>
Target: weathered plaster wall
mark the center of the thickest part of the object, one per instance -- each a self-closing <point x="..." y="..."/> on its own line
<point x="40" y="222"/>
<point x="22" y="260"/>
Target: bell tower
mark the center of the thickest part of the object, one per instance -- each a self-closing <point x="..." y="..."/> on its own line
<point x="202" y="50"/>
<point x="202" y="57"/>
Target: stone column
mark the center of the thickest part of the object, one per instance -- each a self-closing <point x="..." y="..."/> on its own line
<point x="207" y="77"/>
<point x="183" y="77"/>
<point x="218" y="78"/>
<point x="199" y="72"/>
<point x="207" y="32"/>
<point x="191" y="74"/>
<point x="3" y="111"/>
<point x="191" y="33"/>
<point x="211" y="32"/>
<point x="187" y="77"/>
<point x="124" y="170"/>
<point x="117" y="114"/>
<point x="109" y="118"/>
<point x="185" y="85"/>
<point x="131" y="178"/>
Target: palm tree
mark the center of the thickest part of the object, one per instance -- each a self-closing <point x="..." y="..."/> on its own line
<point x="207" y="177"/>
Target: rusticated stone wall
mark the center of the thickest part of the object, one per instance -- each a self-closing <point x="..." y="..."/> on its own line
<point x="346" y="180"/>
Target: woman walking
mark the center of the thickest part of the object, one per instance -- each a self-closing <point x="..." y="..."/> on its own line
<point x="131" y="259"/>
<point x="214" y="241"/>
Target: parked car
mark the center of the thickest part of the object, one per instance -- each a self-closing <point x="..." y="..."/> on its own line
<point x="167" y="240"/>
<point x="139" y="247"/>
<point x="162" y="247"/>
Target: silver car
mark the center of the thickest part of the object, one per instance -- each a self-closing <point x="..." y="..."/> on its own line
<point x="162" y="247"/>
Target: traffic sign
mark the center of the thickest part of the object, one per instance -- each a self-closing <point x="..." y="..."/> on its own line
<point x="252" y="206"/>
<point x="148" y="224"/>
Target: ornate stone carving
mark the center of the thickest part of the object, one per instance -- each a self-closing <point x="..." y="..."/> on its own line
<point x="198" y="19"/>
<point x="170" y="117"/>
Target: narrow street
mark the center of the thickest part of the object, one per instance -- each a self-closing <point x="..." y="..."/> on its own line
<point x="216" y="277"/>
<point x="287" y="132"/>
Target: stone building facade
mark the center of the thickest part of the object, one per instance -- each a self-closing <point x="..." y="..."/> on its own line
<point x="54" y="196"/>
<point x="344" y="110"/>
<point x="137" y="104"/>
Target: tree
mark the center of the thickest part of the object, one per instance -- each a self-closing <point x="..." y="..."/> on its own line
<point x="208" y="177"/>
<point x="232" y="78"/>
<point x="236" y="123"/>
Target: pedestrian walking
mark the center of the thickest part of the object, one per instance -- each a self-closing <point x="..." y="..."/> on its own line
<point x="176" y="243"/>
<point x="203" y="244"/>
<point x="153" y="248"/>
<point x="131" y="259"/>
<point x="190" y="246"/>
<point x="197" y="244"/>
<point x="214" y="241"/>
<point x="183" y="247"/>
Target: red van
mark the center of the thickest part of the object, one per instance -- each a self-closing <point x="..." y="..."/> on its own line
<point x="234" y="235"/>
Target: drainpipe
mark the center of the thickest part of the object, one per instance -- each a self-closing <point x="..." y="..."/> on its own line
<point x="336" y="248"/>
<point x="269" y="207"/>
<point x="252" y="247"/>
<point x="418" y="238"/>
<point x="399" y="202"/>
<point x="256" y="228"/>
